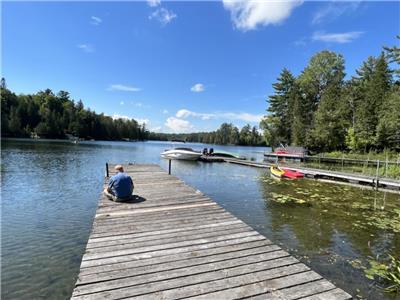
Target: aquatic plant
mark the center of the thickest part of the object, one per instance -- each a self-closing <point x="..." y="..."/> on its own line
<point x="389" y="273"/>
<point x="284" y="199"/>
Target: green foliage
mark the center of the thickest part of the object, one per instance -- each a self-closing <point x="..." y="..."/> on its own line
<point x="226" y="134"/>
<point x="388" y="128"/>
<point x="48" y="115"/>
<point x="323" y="112"/>
<point x="388" y="273"/>
<point x="393" y="56"/>
<point x="281" y="109"/>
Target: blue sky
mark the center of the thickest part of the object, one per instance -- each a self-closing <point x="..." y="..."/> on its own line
<point x="182" y="66"/>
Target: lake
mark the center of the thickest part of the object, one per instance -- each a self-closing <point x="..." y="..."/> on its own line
<point x="50" y="191"/>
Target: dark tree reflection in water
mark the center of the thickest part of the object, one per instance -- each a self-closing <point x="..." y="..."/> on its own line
<point x="50" y="192"/>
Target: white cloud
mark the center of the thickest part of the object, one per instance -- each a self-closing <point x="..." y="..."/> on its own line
<point x="165" y="111"/>
<point x="248" y="15"/>
<point x="197" y="88"/>
<point x="184" y="113"/>
<point x="86" y="48"/>
<point x="122" y="103"/>
<point x="142" y="121"/>
<point x="123" y="88"/>
<point x="117" y="116"/>
<point x="156" y="129"/>
<point x="163" y="15"/>
<point x="341" y="38"/>
<point x="153" y="3"/>
<point x="334" y="10"/>
<point x="179" y="125"/>
<point x="95" y="20"/>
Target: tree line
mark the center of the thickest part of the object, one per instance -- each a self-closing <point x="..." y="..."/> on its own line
<point x="226" y="134"/>
<point x="50" y="115"/>
<point x="322" y="111"/>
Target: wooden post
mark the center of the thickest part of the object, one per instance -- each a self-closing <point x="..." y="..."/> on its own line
<point x="342" y="161"/>
<point x="107" y="174"/>
<point x="377" y="174"/>
<point x="365" y="168"/>
<point x="386" y="166"/>
<point x="169" y="167"/>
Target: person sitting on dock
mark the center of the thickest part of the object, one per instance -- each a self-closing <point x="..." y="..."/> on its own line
<point x="120" y="186"/>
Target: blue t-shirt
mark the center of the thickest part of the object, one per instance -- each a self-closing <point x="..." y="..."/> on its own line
<point x="121" y="185"/>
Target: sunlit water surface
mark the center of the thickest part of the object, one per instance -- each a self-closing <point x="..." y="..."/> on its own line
<point x="50" y="192"/>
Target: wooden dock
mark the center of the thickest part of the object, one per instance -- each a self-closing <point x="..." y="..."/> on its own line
<point x="173" y="242"/>
<point x="354" y="178"/>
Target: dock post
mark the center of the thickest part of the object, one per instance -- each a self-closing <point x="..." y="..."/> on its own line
<point x="342" y="161"/>
<point x="169" y="167"/>
<point x="377" y="174"/>
<point x="107" y="174"/>
<point x="386" y="166"/>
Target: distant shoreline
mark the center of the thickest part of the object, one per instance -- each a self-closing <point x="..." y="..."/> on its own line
<point x="132" y="141"/>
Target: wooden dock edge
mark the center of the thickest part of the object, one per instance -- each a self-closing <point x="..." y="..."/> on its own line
<point x="177" y="243"/>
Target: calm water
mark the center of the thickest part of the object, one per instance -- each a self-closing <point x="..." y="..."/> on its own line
<point x="50" y="192"/>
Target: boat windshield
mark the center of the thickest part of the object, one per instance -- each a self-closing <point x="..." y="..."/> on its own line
<point x="182" y="148"/>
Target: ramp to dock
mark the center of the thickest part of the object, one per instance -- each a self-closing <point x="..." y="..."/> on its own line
<point x="174" y="242"/>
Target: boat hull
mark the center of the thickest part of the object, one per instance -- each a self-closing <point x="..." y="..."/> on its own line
<point x="292" y="174"/>
<point x="180" y="155"/>
<point x="276" y="172"/>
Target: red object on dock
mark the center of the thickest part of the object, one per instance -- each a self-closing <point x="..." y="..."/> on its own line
<point x="280" y="152"/>
<point x="292" y="174"/>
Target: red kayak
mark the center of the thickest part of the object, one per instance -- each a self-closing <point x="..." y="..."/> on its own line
<point x="292" y="174"/>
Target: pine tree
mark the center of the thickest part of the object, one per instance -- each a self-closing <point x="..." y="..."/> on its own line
<point x="388" y="129"/>
<point x="281" y="107"/>
<point x="374" y="84"/>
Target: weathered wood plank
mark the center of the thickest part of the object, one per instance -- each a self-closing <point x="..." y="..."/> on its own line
<point x="178" y="243"/>
<point x="232" y="250"/>
<point x="335" y="294"/>
<point x="161" y="216"/>
<point x="299" y="291"/>
<point x="126" y="278"/>
<point x="182" y="235"/>
<point x="113" y="237"/>
<point x="171" y="288"/>
<point x="138" y="228"/>
<point x="155" y="223"/>
<point x="131" y="269"/>
<point x="172" y="241"/>
<point x="94" y="256"/>
<point x="145" y="210"/>
<point x="248" y="285"/>
<point x="145" y="204"/>
<point x="125" y="258"/>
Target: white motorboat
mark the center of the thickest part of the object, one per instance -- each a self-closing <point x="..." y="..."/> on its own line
<point x="181" y="153"/>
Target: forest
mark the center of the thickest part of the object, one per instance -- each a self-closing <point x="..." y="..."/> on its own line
<point x="318" y="109"/>
<point x="322" y="111"/>
<point x="49" y="115"/>
<point x="226" y="134"/>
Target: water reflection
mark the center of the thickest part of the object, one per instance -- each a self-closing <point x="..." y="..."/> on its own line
<point x="334" y="225"/>
<point x="50" y="192"/>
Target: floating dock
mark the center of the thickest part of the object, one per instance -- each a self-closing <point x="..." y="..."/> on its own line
<point x="173" y="242"/>
<point x="353" y="178"/>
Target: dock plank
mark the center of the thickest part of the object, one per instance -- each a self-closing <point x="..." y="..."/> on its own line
<point x="178" y="243"/>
